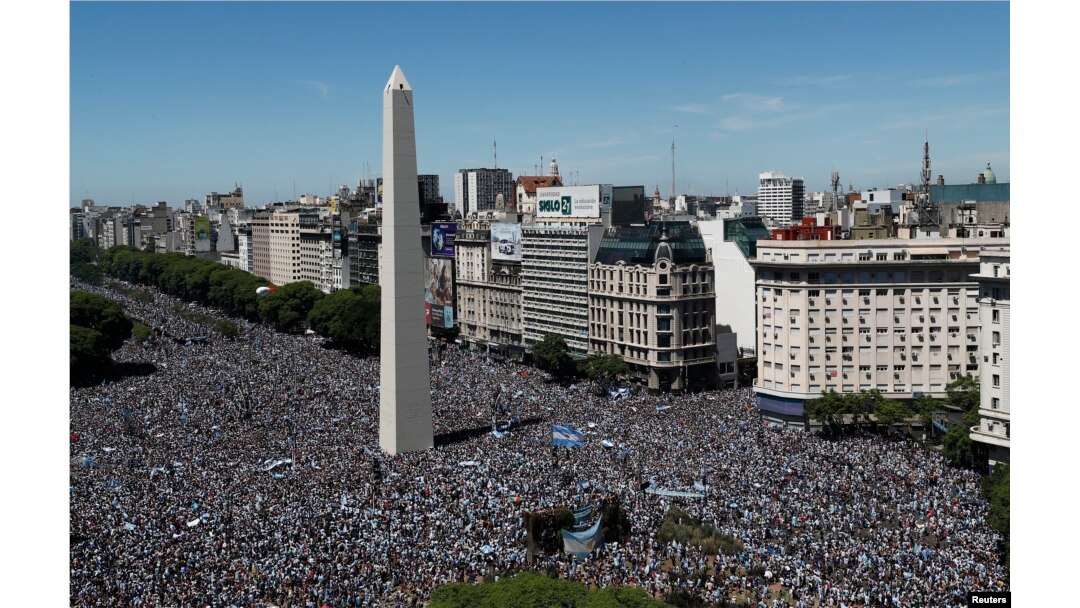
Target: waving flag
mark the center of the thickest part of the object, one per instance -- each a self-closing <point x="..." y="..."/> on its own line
<point x="567" y="436"/>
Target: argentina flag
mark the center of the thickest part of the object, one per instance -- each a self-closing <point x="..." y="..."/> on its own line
<point x="581" y="518"/>
<point x="567" y="436"/>
<point x="581" y="544"/>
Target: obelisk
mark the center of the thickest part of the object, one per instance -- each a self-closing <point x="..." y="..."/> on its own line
<point x="405" y="392"/>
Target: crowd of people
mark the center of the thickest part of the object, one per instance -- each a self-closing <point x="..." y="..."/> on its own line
<point x="246" y="472"/>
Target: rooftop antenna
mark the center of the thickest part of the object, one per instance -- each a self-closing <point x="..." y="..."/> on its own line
<point x="834" y="181"/>
<point x="927" y="214"/>
<point x="673" y="170"/>
<point x="495" y="148"/>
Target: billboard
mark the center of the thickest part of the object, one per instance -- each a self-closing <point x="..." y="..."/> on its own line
<point x="573" y="201"/>
<point x="442" y="240"/>
<point x="202" y="228"/>
<point x="506" y="242"/>
<point x="439" y="292"/>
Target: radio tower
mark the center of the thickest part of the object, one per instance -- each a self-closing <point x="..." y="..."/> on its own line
<point x="926" y="214"/>
<point x="834" y="181"/>
<point x="673" y="172"/>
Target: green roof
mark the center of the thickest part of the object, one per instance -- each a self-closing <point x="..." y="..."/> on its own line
<point x="980" y="193"/>
<point x="637" y="244"/>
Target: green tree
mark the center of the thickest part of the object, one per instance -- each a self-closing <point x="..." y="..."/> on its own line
<point x="287" y="309"/>
<point x="101" y="315"/>
<point x="747" y="371"/>
<point x="88" y="273"/>
<point x="830" y="408"/>
<point x="82" y="251"/>
<point x="604" y="370"/>
<point x="616" y="523"/>
<point x="996" y="490"/>
<point x="530" y="590"/>
<point x="87" y="352"/>
<point x="552" y="355"/>
<point x="924" y="408"/>
<point x="963" y="394"/>
<point x="889" y="412"/>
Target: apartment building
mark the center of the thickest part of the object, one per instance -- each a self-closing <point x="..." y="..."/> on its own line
<point x="780" y="197"/>
<point x="652" y="302"/>
<point x="994" y="409"/>
<point x="900" y="316"/>
<point x="364" y="245"/>
<point x="489" y="292"/>
<point x="555" y="279"/>
<point x="476" y="189"/>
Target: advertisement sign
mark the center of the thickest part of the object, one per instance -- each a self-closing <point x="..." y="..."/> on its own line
<point x="442" y="240"/>
<point x="202" y="228"/>
<point x="439" y="292"/>
<point x="573" y="201"/>
<point x="506" y="242"/>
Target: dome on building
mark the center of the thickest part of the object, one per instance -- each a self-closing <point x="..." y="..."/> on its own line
<point x="988" y="174"/>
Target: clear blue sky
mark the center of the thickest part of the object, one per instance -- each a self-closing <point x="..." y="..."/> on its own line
<point x="173" y="100"/>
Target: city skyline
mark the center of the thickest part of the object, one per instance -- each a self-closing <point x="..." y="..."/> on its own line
<point x="216" y="97"/>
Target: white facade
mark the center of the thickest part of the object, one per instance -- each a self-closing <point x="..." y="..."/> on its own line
<point x="900" y="316"/>
<point x="780" y="197"/>
<point x="994" y="409"/>
<point x="735" y="285"/>
<point x="284" y="247"/>
<point x="555" y="279"/>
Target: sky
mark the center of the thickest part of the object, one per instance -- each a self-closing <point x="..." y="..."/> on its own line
<point x="170" y="101"/>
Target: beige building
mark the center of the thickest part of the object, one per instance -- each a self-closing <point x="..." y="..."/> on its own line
<point x="488" y="291"/>
<point x="900" y="316"/>
<point x="276" y="242"/>
<point x="994" y="409"/>
<point x="652" y="301"/>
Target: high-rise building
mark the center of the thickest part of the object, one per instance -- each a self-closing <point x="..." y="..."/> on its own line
<point x="994" y="355"/>
<point x="477" y="189"/>
<point x="365" y="242"/>
<point x="780" y="197"/>
<point x="897" y="315"/>
<point x="652" y="302"/>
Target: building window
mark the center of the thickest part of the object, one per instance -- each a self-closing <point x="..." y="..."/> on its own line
<point x="995" y="403"/>
<point x="997" y="380"/>
<point x="995" y="315"/>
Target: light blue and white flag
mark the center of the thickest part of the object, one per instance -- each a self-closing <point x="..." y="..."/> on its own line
<point x="581" y="544"/>
<point x="580" y="515"/>
<point x="567" y="436"/>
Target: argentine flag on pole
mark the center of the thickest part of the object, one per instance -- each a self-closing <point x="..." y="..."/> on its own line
<point x="567" y="436"/>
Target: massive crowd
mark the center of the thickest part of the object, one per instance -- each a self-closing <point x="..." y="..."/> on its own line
<point x="241" y="473"/>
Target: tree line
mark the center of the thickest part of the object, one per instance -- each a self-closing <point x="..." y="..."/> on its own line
<point x="348" y="319"/>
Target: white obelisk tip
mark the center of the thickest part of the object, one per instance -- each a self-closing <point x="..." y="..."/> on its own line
<point x="397" y="81"/>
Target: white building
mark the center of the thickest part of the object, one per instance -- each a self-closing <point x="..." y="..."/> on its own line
<point x="780" y="197"/>
<point x="732" y="244"/>
<point x="900" y="316"/>
<point x="555" y="279"/>
<point x="994" y="409"/>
